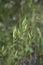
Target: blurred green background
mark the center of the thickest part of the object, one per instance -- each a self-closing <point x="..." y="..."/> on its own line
<point x="21" y="32"/>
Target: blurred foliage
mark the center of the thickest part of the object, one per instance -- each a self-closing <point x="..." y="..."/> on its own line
<point x="21" y="32"/>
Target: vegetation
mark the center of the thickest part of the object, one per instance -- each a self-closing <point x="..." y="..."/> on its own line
<point x="21" y="32"/>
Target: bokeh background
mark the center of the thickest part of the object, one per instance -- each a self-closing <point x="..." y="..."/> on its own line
<point x="21" y="32"/>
